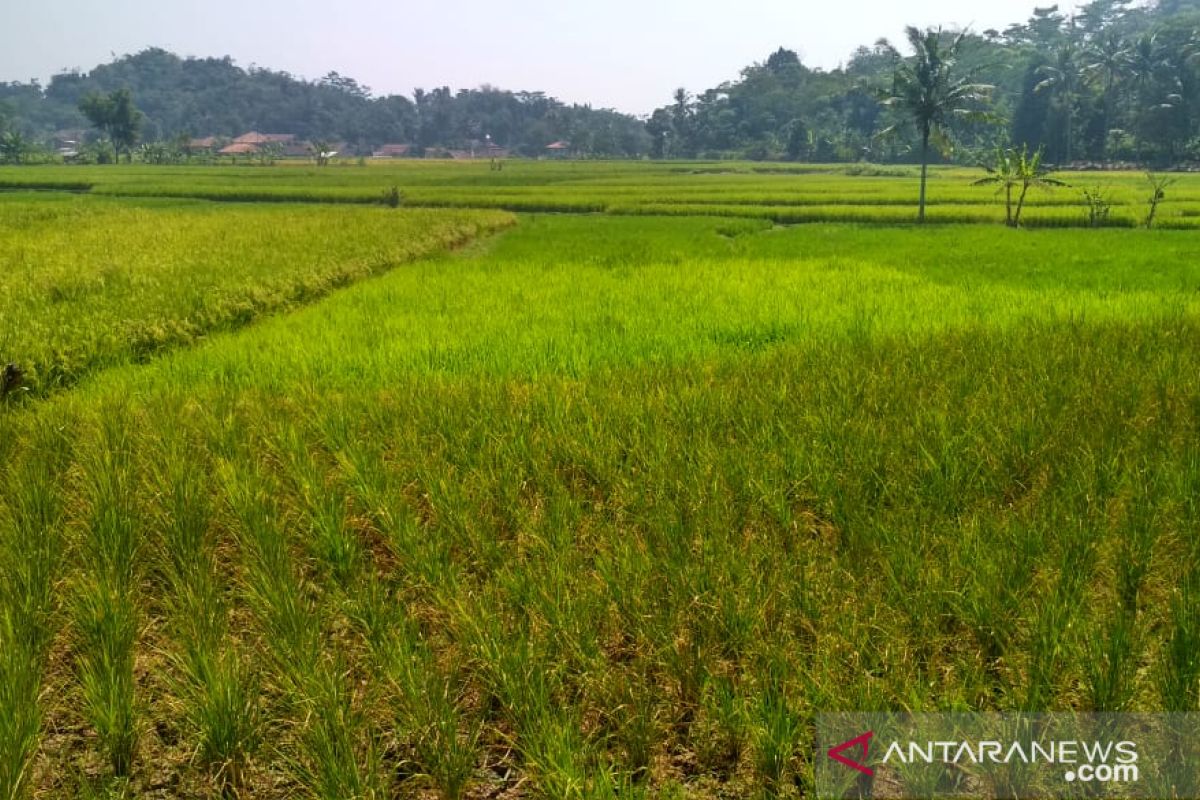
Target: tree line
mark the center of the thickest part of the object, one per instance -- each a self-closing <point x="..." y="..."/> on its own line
<point x="1117" y="81"/>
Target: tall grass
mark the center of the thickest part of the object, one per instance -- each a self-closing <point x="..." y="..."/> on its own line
<point x="30" y="567"/>
<point x="332" y="750"/>
<point x="217" y="689"/>
<point x="106" y="605"/>
<point x="613" y="506"/>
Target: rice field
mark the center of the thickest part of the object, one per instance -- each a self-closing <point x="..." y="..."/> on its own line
<point x="573" y="505"/>
<point x="94" y="283"/>
<point x="782" y="193"/>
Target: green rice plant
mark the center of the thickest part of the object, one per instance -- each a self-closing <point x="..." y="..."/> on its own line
<point x="1179" y="680"/>
<point x="106" y="612"/>
<point x="428" y="713"/>
<point x="722" y="731"/>
<point x="611" y="505"/>
<point x="31" y="547"/>
<point x="287" y="614"/>
<point x="337" y="755"/>
<point x="726" y="189"/>
<point x="222" y="706"/>
<point x="339" y="758"/>
<point x="776" y="734"/>
<point x="333" y="543"/>
<point x="30" y="565"/>
<point x="216" y="688"/>
<point x="1111" y="666"/>
<point x="556" y="758"/>
<point x="161" y="275"/>
<point x="20" y="708"/>
<point x="108" y="629"/>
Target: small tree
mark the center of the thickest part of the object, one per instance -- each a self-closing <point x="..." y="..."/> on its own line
<point x="322" y="150"/>
<point x="1158" y="192"/>
<point x="1098" y="206"/>
<point x="269" y="152"/>
<point x="1017" y="169"/>
<point x="14" y="147"/>
<point x="116" y="117"/>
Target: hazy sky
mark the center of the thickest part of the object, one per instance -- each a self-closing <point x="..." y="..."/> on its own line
<point x="625" y="54"/>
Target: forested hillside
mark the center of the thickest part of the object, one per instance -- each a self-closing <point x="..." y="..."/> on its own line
<point x="1118" y="81"/>
<point x="214" y="96"/>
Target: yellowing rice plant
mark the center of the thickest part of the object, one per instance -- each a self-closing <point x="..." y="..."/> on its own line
<point x="601" y="505"/>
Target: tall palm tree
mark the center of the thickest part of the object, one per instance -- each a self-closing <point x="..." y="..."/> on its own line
<point x="1144" y="61"/>
<point x="928" y="91"/>
<point x="1063" y="77"/>
<point x="1107" y="61"/>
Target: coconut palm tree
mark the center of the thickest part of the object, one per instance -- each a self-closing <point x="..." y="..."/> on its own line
<point x="1063" y="77"/>
<point x="1106" y="62"/>
<point x="928" y="91"/>
<point x="1143" y="64"/>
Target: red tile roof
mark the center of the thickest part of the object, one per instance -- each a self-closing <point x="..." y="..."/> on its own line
<point x="238" y="148"/>
<point x="254" y="137"/>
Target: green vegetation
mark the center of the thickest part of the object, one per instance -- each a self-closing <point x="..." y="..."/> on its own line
<point x="92" y="283"/>
<point x="604" y="505"/>
<point x="1108" y="80"/>
<point x="790" y="193"/>
<point x="1018" y="170"/>
<point x="928" y="91"/>
<point x="115" y="115"/>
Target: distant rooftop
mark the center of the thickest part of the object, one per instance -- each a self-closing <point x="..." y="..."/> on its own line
<point x="254" y="137"/>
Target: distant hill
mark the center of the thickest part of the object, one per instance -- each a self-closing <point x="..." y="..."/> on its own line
<point x="216" y="97"/>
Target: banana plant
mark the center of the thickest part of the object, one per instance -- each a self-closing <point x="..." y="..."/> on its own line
<point x="1015" y="170"/>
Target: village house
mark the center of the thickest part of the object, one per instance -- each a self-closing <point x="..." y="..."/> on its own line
<point x="254" y="142"/>
<point x="204" y="143"/>
<point x="68" y="142"/>
<point x="393" y="151"/>
<point x="478" y="150"/>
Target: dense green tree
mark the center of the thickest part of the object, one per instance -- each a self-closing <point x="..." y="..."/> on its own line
<point x="1062" y="78"/>
<point x="116" y="117"/>
<point x="1097" y="86"/>
<point x="211" y="96"/>
<point x="14" y="147"/>
<point x="1106" y="63"/>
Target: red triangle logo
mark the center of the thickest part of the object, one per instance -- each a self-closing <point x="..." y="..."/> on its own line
<point x="864" y="742"/>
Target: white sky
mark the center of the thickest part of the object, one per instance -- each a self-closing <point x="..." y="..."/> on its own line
<point x="624" y="54"/>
